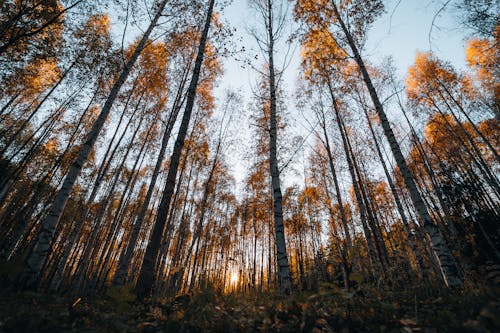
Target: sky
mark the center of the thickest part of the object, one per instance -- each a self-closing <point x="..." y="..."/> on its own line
<point x="403" y="30"/>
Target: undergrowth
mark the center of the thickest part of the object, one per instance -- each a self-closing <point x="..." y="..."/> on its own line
<point x="329" y="309"/>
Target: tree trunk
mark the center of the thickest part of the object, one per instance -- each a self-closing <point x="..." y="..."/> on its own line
<point x="440" y="249"/>
<point x="355" y="184"/>
<point x="42" y="247"/>
<point x="337" y="189"/>
<point x="148" y="269"/>
<point x="126" y="259"/>
<point x="399" y="206"/>
<point x="284" y="277"/>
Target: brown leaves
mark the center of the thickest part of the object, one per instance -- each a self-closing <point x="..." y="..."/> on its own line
<point x="473" y="311"/>
<point x="121" y="297"/>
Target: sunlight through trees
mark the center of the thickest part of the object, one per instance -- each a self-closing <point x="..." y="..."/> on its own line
<point x="127" y="170"/>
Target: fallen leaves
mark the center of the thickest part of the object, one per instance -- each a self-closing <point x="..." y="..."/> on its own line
<point x="334" y="310"/>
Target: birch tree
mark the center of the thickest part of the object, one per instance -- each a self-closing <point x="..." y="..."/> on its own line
<point x="42" y="247"/>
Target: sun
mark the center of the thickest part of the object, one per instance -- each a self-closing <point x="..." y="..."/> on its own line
<point x="234" y="278"/>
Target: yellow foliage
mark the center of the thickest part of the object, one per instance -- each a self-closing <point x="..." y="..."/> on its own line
<point x="313" y="12"/>
<point x="425" y="76"/>
<point x="153" y="69"/>
<point x="483" y="57"/>
<point x="433" y="131"/>
<point x="99" y="24"/>
<point x="320" y="51"/>
<point x="40" y="75"/>
<point x="51" y="146"/>
<point x="480" y="53"/>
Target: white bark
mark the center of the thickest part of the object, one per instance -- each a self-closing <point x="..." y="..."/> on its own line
<point x="440" y="249"/>
<point x="42" y="247"/>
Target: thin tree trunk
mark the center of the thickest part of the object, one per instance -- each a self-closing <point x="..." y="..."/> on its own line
<point x="17" y="38"/>
<point x="125" y="260"/>
<point x="355" y="184"/>
<point x="42" y="247"/>
<point x="337" y="188"/>
<point x="149" y="270"/>
<point x="441" y="251"/>
<point x="37" y="108"/>
<point x="284" y="277"/>
<point x="406" y="225"/>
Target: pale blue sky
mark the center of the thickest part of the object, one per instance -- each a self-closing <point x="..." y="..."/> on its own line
<point x="408" y="32"/>
<point x="400" y="37"/>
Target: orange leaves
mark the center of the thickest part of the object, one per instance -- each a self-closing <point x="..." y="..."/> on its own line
<point x="39" y="75"/>
<point x="45" y="73"/>
<point x="29" y="17"/>
<point x="478" y="51"/>
<point x="97" y="25"/>
<point x="434" y="129"/>
<point x="310" y="195"/>
<point x="482" y="56"/>
<point x="153" y="65"/>
<point x="212" y="69"/>
<point x="320" y="51"/>
<point x="330" y="24"/>
<point x="51" y="147"/>
<point x="319" y="48"/>
<point x="94" y="36"/>
<point x="152" y="68"/>
<point x="177" y="41"/>
<point x="425" y="77"/>
<point x="432" y="83"/>
<point x="313" y="12"/>
<point x="445" y="136"/>
<point x="420" y="72"/>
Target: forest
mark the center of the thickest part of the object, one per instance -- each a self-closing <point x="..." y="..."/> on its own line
<point x="138" y="195"/>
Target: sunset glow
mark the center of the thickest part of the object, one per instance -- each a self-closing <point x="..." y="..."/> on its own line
<point x="234" y="278"/>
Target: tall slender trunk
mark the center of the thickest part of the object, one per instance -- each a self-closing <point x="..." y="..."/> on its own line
<point x="474" y="154"/>
<point x="6" y="106"/>
<point x="37" y="108"/>
<point x="441" y="251"/>
<point x="42" y="247"/>
<point x="126" y="259"/>
<point x="149" y="269"/>
<point x="476" y="129"/>
<point x="13" y="40"/>
<point x="355" y="184"/>
<point x="284" y="277"/>
<point x="337" y="189"/>
<point x="207" y="192"/>
<point x="23" y="216"/>
<point x="122" y="206"/>
<point x="92" y="246"/>
<point x="427" y="166"/>
<point x="370" y="212"/>
<point x="399" y="206"/>
<point x="14" y="173"/>
<point x="176" y="270"/>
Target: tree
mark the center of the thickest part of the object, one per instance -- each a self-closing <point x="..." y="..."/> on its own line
<point x="481" y="16"/>
<point x="359" y="15"/>
<point x="149" y="268"/>
<point x="482" y="57"/>
<point x="41" y="249"/>
<point x="273" y="18"/>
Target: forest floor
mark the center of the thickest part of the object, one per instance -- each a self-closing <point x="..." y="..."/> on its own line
<point x="331" y="309"/>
